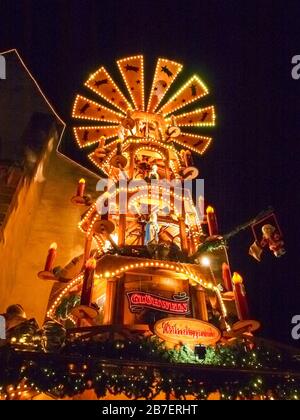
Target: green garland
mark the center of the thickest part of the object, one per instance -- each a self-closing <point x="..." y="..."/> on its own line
<point x="144" y="367"/>
<point x="66" y="305"/>
<point x="66" y="380"/>
<point x="153" y="349"/>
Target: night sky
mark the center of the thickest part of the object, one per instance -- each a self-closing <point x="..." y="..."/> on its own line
<point x="242" y="50"/>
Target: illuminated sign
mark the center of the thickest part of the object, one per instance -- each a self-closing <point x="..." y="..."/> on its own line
<point x="180" y="304"/>
<point x="187" y="330"/>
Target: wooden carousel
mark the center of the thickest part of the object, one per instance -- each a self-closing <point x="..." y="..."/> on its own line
<point x="143" y="268"/>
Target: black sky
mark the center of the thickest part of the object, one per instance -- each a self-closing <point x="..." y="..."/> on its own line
<point x="242" y="50"/>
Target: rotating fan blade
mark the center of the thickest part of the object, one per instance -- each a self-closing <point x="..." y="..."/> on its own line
<point x="85" y="136"/>
<point x="89" y="110"/>
<point x="132" y="70"/>
<point x="190" y="92"/>
<point x="196" y="143"/>
<point x="201" y="117"/>
<point x="165" y="73"/>
<point x="102" y="83"/>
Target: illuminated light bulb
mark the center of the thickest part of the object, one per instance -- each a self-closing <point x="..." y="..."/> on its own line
<point x="205" y="261"/>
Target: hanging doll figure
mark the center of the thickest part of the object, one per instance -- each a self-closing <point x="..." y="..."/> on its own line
<point x="267" y="233"/>
<point x="272" y="239"/>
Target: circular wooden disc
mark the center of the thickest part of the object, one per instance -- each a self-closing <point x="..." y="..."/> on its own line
<point x="190" y="172"/>
<point x="118" y="161"/>
<point x="78" y="200"/>
<point x="103" y="226"/>
<point x="248" y="325"/>
<point x="46" y="275"/>
<point x="86" y="310"/>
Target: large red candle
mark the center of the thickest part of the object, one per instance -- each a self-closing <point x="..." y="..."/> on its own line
<point x="211" y="221"/>
<point x="80" y="187"/>
<point x="88" y="282"/>
<point x="240" y="297"/>
<point x="51" y="257"/>
<point x="226" y="275"/>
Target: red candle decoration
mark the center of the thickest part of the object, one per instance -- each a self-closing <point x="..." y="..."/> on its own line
<point x="211" y="221"/>
<point x="226" y="275"/>
<point x="88" y="282"/>
<point x="240" y="297"/>
<point x="80" y="187"/>
<point x="51" y="257"/>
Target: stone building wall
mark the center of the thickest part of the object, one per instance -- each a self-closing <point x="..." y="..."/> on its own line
<point x="41" y="213"/>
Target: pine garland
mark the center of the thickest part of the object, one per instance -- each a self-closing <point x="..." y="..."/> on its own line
<point x="68" y="373"/>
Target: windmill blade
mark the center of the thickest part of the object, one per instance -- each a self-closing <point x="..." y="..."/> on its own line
<point x="89" y="110"/>
<point x="101" y="83"/>
<point x="162" y="112"/>
<point x="132" y="70"/>
<point x="165" y="73"/>
<point x="196" y="143"/>
<point x="85" y="136"/>
<point x="190" y="92"/>
<point x="201" y="117"/>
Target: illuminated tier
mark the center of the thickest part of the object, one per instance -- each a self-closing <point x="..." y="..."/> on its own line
<point x="158" y="134"/>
